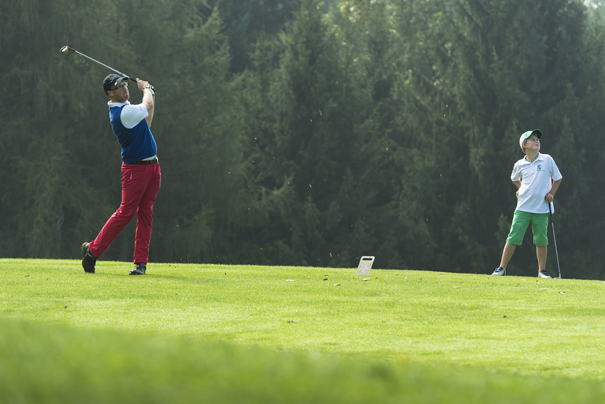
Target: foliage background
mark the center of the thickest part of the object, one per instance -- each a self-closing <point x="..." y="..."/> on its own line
<point x="299" y="132"/>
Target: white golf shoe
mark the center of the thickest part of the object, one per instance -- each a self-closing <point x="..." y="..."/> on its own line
<point x="499" y="271"/>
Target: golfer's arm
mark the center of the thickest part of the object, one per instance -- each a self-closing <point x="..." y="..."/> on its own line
<point x="149" y="102"/>
<point x="555" y="186"/>
<point x="517" y="184"/>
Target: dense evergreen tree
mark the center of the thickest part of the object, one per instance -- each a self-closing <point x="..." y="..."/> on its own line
<point x="245" y="21"/>
<point x="306" y="140"/>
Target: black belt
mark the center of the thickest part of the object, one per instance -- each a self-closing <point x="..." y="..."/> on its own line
<point x="145" y="162"/>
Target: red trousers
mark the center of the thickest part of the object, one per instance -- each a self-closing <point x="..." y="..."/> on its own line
<point x="140" y="186"/>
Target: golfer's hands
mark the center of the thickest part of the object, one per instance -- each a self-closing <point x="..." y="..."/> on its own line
<point x="142" y="84"/>
<point x="517" y="193"/>
<point x="549" y="197"/>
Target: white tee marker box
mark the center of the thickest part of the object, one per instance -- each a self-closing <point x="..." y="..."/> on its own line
<point x="365" y="265"/>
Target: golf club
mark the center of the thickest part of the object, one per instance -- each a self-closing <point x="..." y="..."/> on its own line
<point x="554" y="238"/>
<point x="67" y="48"/>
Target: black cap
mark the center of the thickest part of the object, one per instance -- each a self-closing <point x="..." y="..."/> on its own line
<point x="112" y="80"/>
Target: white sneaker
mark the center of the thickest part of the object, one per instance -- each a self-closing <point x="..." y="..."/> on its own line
<point x="499" y="271"/>
<point x="544" y="274"/>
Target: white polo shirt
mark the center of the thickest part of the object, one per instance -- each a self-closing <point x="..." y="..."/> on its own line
<point x="536" y="181"/>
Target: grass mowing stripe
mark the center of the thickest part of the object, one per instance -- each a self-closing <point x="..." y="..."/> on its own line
<point x="518" y="325"/>
<point x="50" y="363"/>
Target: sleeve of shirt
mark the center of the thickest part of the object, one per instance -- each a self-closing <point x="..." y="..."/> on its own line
<point x="516" y="174"/>
<point x="133" y="114"/>
<point x="554" y="170"/>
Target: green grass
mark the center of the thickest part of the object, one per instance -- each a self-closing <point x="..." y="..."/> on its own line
<point x="264" y="334"/>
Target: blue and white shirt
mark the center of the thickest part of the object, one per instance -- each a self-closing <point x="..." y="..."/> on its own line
<point x="536" y="181"/>
<point x="129" y="125"/>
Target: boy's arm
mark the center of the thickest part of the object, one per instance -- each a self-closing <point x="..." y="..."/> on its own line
<point x="553" y="190"/>
<point x="518" y="185"/>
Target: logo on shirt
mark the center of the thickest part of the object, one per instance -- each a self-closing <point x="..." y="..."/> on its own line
<point x="539" y="168"/>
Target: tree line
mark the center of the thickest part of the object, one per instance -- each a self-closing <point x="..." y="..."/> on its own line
<point x="300" y="132"/>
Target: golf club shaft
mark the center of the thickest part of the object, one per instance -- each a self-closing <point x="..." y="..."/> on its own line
<point x="63" y="49"/>
<point x="556" y="251"/>
<point x="555" y="239"/>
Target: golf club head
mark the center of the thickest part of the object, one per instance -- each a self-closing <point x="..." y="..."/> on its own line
<point x="65" y="49"/>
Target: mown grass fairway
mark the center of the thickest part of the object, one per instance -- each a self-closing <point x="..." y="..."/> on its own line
<point x="276" y="332"/>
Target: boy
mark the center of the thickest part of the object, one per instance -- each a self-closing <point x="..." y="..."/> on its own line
<point x="532" y="175"/>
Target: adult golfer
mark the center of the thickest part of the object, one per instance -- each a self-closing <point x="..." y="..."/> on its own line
<point x="141" y="175"/>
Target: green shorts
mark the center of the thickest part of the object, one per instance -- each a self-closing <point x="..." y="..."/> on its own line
<point x="521" y="221"/>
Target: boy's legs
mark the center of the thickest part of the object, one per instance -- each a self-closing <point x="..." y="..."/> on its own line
<point x="518" y="228"/>
<point x="521" y="221"/>
<point x="541" y="252"/>
<point x="540" y="229"/>
<point x="507" y="253"/>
